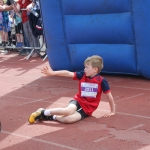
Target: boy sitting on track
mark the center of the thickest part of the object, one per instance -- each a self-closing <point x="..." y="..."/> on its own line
<point x="91" y="86"/>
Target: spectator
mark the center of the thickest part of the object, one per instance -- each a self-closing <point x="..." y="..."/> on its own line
<point x="33" y="41"/>
<point x="36" y="25"/>
<point x="10" y="28"/>
<point x="34" y="18"/>
<point x="18" y="28"/>
<point x="4" y="28"/>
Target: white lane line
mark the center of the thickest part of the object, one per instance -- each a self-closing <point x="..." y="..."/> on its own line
<point x="139" y="116"/>
<point x="63" y="104"/>
<point x="130" y="97"/>
<point x="54" y="102"/>
<point x="31" y="102"/>
<point x="126" y="114"/>
<point x="106" y="137"/>
<point x="133" y="88"/>
<point x="135" y="127"/>
<point x="19" y="97"/>
<point x="115" y="81"/>
<point x="39" y="140"/>
<point x="36" y="101"/>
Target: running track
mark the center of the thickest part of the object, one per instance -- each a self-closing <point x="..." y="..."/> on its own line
<point x="23" y="89"/>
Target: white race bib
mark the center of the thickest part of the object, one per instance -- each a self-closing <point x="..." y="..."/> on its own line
<point x="89" y="89"/>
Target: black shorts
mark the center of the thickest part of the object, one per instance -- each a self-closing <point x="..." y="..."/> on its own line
<point x="79" y="109"/>
<point x="19" y="28"/>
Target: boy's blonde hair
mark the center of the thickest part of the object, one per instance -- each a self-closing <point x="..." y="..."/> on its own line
<point x="95" y="61"/>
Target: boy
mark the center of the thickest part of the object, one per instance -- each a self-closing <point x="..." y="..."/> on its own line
<point x="91" y="85"/>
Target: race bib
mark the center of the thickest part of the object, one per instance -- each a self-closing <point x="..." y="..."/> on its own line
<point x="89" y="89"/>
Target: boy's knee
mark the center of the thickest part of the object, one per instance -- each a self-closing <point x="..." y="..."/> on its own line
<point x="68" y="112"/>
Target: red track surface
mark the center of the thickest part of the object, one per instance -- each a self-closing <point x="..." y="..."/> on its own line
<point x="23" y="89"/>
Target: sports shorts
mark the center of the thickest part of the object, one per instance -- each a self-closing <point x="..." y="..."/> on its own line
<point x="19" y="28"/>
<point x="79" y="109"/>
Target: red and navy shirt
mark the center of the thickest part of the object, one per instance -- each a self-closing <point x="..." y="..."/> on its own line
<point x="90" y="90"/>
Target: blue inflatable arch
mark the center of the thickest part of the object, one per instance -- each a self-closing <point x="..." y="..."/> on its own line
<point x="117" y="30"/>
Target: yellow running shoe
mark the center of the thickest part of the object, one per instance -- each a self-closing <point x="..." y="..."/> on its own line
<point x="35" y="116"/>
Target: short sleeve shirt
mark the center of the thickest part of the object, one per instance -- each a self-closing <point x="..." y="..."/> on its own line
<point x="104" y="84"/>
<point x="90" y="90"/>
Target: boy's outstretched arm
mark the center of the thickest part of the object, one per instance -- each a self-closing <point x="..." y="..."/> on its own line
<point x="49" y="72"/>
<point x="112" y="105"/>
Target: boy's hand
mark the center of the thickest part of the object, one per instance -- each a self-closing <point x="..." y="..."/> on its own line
<point x="109" y="114"/>
<point x="46" y="71"/>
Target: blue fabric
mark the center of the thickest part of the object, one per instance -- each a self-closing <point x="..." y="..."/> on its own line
<point x="117" y="30"/>
<point x="17" y="19"/>
<point x="5" y="16"/>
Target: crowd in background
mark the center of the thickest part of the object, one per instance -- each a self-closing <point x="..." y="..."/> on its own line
<point x="20" y="25"/>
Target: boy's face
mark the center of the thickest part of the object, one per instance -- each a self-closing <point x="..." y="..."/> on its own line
<point x="90" y="71"/>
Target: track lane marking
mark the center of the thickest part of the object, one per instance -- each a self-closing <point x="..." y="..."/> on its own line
<point x="106" y="137"/>
<point x="39" y="140"/>
<point x="133" y="88"/>
<point x="130" y="97"/>
<point x="126" y="114"/>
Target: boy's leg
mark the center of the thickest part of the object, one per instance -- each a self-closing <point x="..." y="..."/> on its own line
<point x="61" y="111"/>
<point x="76" y="116"/>
<point x="54" y="111"/>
